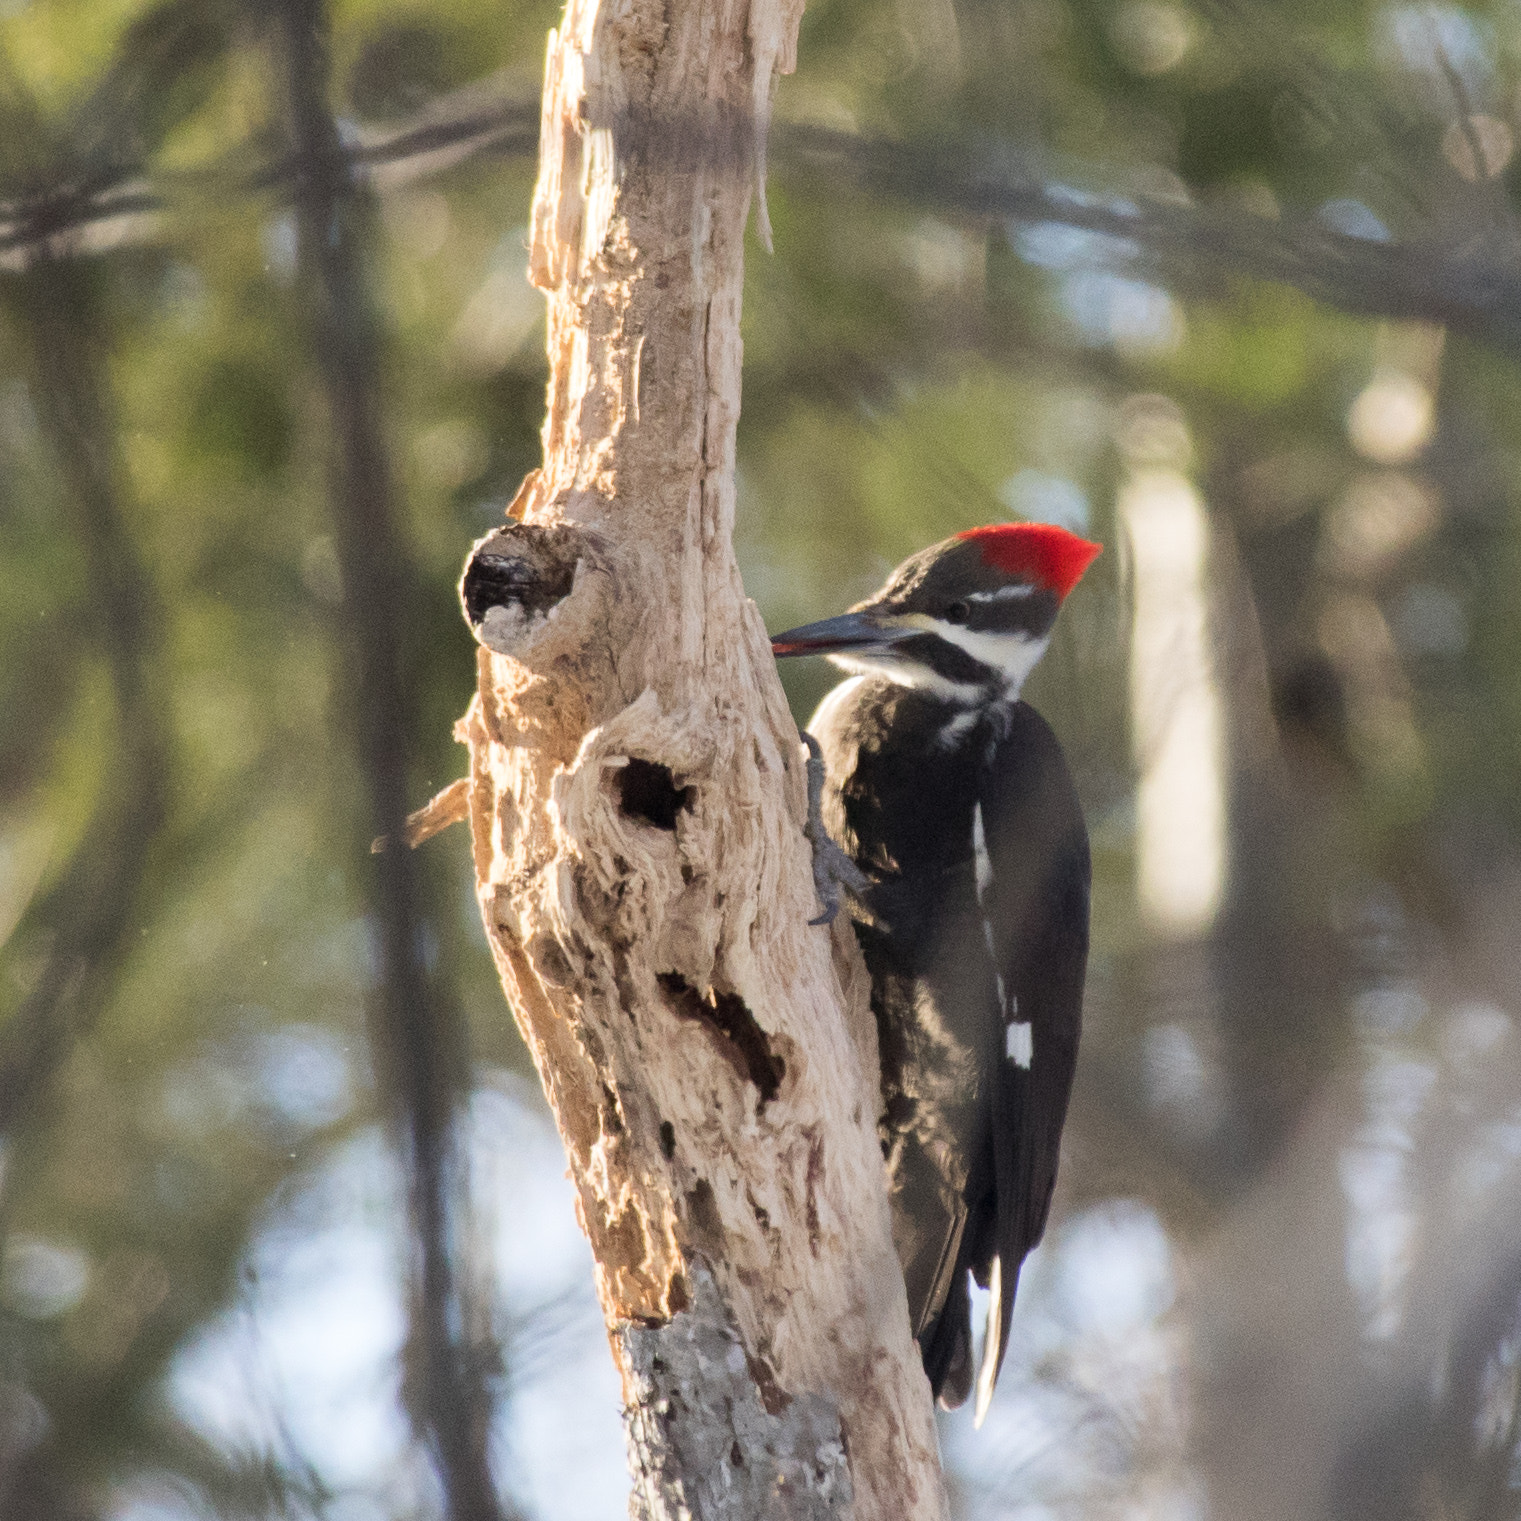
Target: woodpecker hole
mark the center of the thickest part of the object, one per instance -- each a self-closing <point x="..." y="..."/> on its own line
<point x="667" y="1139"/>
<point x="523" y="570"/>
<point x="648" y="791"/>
<point x="742" y="1042"/>
<point x="494" y="580"/>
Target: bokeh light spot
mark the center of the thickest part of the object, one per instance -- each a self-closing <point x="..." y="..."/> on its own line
<point x="1392" y="419"/>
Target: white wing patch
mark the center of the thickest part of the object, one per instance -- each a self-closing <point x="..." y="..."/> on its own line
<point x="980" y="856"/>
<point x="983" y="865"/>
<point x="1019" y="1043"/>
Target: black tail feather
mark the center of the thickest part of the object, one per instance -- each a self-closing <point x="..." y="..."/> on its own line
<point x="946" y="1346"/>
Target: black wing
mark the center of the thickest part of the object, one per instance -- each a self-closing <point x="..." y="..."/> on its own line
<point x="1034" y="888"/>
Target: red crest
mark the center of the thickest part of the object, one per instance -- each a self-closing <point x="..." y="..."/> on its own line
<point x="1039" y="552"/>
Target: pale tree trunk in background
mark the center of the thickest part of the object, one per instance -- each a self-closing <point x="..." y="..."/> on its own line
<point x="637" y="803"/>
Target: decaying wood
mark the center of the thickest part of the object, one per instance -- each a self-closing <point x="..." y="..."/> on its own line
<point x="637" y="809"/>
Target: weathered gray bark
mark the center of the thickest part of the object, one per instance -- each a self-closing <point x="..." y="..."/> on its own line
<point x="709" y="1432"/>
<point x="637" y="803"/>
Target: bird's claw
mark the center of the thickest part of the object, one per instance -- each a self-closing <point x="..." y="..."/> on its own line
<point x="832" y="868"/>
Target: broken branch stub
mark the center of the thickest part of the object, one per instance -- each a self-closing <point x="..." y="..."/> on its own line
<point x="637" y="806"/>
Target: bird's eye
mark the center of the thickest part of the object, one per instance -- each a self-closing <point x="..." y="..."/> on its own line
<point x="957" y="612"/>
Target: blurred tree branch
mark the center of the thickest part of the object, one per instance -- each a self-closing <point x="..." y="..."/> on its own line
<point x="84" y="924"/>
<point x="116" y="204"/>
<point x="417" y="1026"/>
<point x="1465" y="275"/>
<point x="84" y="919"/>
<point x="1466" y="278"/>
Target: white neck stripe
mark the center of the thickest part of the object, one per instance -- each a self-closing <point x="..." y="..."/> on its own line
<point x="1012" y="656"/>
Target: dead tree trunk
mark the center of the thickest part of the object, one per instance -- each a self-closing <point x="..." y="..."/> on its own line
<point x="637" y="805"/>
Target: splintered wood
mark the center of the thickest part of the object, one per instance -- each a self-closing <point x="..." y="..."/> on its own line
<point x="637" y="807"/>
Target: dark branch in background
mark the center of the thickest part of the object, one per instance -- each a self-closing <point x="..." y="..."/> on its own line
<point x="1471" y="283"/>
<point x="86" y="920"/>
<point x="417" y="1027"/>
<point x="115" y="205"/>
<point x="1467" y="278"/>
<point x="86" y="916"/>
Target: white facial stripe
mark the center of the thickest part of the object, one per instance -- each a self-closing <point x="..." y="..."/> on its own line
<point x="907" y="673"/>
<point x="1012" y="655"/>
<point x="1019" y="1043"/>
<point x="1003" y="593"/>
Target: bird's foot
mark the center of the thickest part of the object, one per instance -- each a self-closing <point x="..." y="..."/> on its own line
<point x="832" y="868"/>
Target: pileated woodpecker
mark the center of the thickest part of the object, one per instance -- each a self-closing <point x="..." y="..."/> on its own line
<point x="952" y="796"/>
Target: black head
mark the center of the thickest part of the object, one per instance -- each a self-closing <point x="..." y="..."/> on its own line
<point x="966" y="619"/>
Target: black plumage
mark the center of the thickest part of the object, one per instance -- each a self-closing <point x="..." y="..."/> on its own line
<point x="971" y="1136"/>
<point x="952" y="795"/>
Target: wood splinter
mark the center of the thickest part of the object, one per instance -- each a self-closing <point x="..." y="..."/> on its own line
<point x="450" y="806"/>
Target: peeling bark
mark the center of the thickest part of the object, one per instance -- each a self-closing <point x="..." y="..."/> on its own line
<point x="637" y="808"/>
